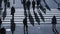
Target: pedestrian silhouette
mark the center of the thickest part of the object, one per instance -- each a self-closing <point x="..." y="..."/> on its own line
<point x="25" y="25"/>
<point x="0" y="23"/>
<point x="28" y="3"/>
<point x="0" y="3"/>
<point x="24" y="4"/>
<point x="30" y="18"/>
<point x="36" y="17"/>
<point x="2" y="31"/>
<point x="12" y="11"/>
<point x="4" y="14"/>
<point x="38" y="3"/>
<point x="12" y="26"/>
<point x="8" y="4"/>
<point x="54" y="22"/>
<point x="41" y="15"/>
<point x="33" y="5"/>
<point x="46" y="5"/>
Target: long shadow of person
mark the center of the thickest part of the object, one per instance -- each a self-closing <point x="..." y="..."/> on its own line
<point x="13" y="25"/>
<point x="25" y="25"/>
<point x="36" y="17"/>
<point x="39" y="5"/>
<point x="42" y="8"/>
<point x="0" y="23"/>
<point x="4" y="13"/>
<point x="29" y="14"/>
<point x="2" y="31"/>
<point x="25" y="13"/>
<point x="30" y="18"/>
<point x="33" y="5"/>
<point x="41" y="15"/>
<point x="54" y="22"/>
<point x="46" y="5"/>
<point x="24" y="4"/>
<point x="0" y="3"/>
<point x="58" y="6"/>
<point x="28" y="3"/>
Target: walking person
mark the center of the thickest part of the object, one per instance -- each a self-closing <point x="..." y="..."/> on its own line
<point x="54" y="22"/>
<point x="12" y="11"/>
<point x="0" y="3"/>
<point x="28" y="3"/>
<point x="38" y="3"/>
<point x="33" y="5"/>
<point x="24" y="4"/>
<point x="5" y="6"/>
<point x="8" y="4"/>
<point x="25" y="25"/>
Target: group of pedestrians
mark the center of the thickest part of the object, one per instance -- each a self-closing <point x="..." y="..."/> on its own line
<point x="26" y="6"/>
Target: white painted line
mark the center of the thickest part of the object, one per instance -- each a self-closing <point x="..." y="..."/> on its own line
<point x="8" y="29"/>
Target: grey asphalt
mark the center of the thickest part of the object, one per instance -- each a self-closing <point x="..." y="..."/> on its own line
<point x="37" y="29"/>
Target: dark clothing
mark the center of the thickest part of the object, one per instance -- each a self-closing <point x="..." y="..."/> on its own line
<point x="25" y="21"/>
<point x="28" y="5"/>
<point x="25" y="26"/>
<point x="12" y="25"/>
<point x="33" y="4"/>
<point x="5" y="1"/>
<point x="8" y="4"/>
<point x="38" y="2"/>
<point x="24" y="4"/>
<point x="0" y="3"/>
<point x="0" y="23"/>
<point x="12" y="11"/>
<point x="54" y="21"/>
<point x="2" y="31"/>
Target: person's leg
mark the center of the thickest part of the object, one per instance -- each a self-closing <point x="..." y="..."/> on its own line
<point x="12" y="32"/>
<point x="26" y="29"/>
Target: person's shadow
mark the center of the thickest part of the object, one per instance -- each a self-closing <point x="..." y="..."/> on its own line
<point x="46" y="5"/>
<point x="54" y="22"/>
<point x="36" y="17"/>
<point x="13" y="25"/>
<point x="41" y="15"/>
<point x="30" y="18"/>
<point x="25" y="25"/>
<point x="42" y="8"/>
<point x="58" y="6"/>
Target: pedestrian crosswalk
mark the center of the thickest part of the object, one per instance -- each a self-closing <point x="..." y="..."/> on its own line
<point x="19" y="16"/>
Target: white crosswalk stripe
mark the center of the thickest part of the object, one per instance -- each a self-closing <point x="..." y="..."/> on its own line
<point x="19" y="16"/>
